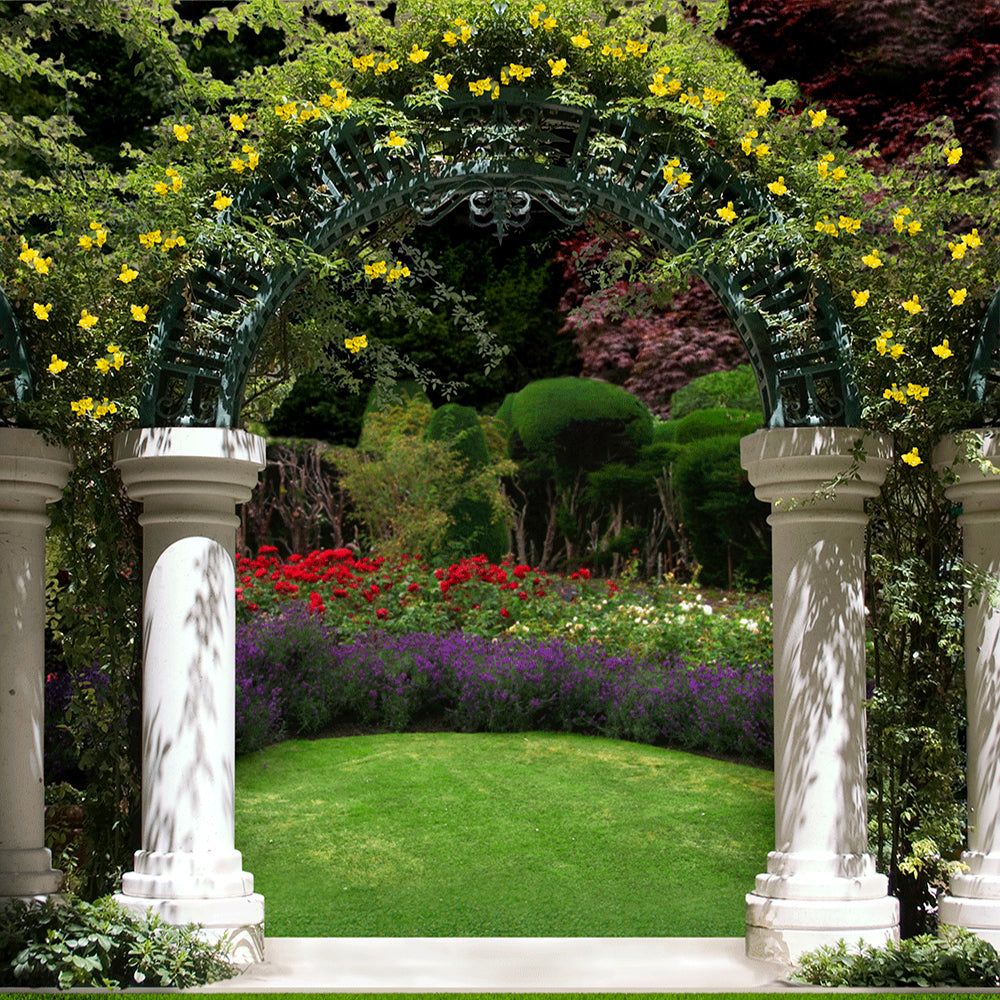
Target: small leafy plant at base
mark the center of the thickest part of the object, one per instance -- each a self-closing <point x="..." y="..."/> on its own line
<point x="70" y="943"/>
<point x="957" y="958"/>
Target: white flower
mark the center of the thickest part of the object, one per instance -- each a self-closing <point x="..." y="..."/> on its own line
<point x="707" y="608"/>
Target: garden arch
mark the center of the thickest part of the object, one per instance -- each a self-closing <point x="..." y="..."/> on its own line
<point x="189" y="467"/>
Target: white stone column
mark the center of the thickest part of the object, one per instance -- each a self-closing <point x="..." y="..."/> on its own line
<point x="188" y="870"/>
<point x="32" y="474"/>
<point x="820" y="884"/>
<point x="973" y="901"/>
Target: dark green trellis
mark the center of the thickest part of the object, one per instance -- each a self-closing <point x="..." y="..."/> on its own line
<point x="474" y="151"/>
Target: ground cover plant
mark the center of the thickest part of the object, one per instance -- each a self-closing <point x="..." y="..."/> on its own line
<point x="526" y="834"/>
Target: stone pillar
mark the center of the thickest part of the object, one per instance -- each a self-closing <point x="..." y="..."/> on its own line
<point x="973" y="901"/>
<point x="820" y="884"/>
<point x="188" y="870"/>
<point x="32" y="474"/>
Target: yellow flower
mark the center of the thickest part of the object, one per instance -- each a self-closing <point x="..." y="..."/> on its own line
<point x="778" y="186"/>
<point x="82" y="406"/>
<point x="958" y="249"/>
<point x="958" y="295"/>
<point x="105" y="407"/>
<point x="860" y="298"/>
<point x="838" y="174"/>
<point x="520" y="73"/>
<point x="582" y="40"/>
<point x="896" y="351"/>
<point x="127" y="275"/>
<point x="872" y="259"/>
<point x="221" y="201"/>
<point x="746" y="142"/>
<point x="42" y="264"/>
<point x="762" y="150"/>
<point x="364" y="62"/>
<point x="355" y="344"/>
<point x="496" y="93"/>
<point x="881" y="346"/>
<point x="816" y="118"/>
<point x="173" y="241"/>
<point x="86" y="320"/>
<point x="549" y="23"/>
<point x="895" y="393"/>
<point x="103" y="365"/>
<point x="727" y="214"/>
<point x="27" y="254"/>
<point x="943" y="350"/>
<point x="41" y="311"/>
<point x="913" y="228"/>
<point x="762" y="108"/>
<point x="632" y="47"/>
<point x="238" y="122"/>
<point x="953" y="155"/>
<point x="376" y="269"/>
<point x="111" y="348"/>
<point x="683" y="180"/>
<point x="56" y="365"/>
<point x="325" y="101"/>
<point x="139" y="313"/>
<point x="285" y="111"/>
<point x="159" y="188"/>
<point x="850" y="225"/>
<point x="417" y="54"/>
<point x="912" y="457"/>
<point x="558" y="66"/>
<point x="253" y="157"/>
<point x="181" y="132"/>
<point x="239" y="165"/>
<point x="118" y="360"/>
<point x="100" y="233"/>
<point x="972" y="239"/>
<point x="442" y="82"/>
<point x="395" y="140"/>
<point x="826" y="226"/>
<point x="450" y="38"/>
<point x="918" y="392"/>
<point x="913" y="306"/>
<point x="399" y="271"/>
<point x="150" y="239"/>
<point x="823" y="165"/>
<point x="386" y="66"/>
<point x="899" y="219"/>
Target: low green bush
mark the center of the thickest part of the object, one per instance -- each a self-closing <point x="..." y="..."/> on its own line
<point x="68" y="943"/>
<point x="958" y="958"/>
<point x="736" y="389"/>
<point x="704" y="424"/>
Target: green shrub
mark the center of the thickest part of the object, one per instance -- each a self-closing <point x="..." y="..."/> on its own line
<point x="709" y="423"/>
<point x="735" y="389"/>
<point x="725" y="522"/>
<point x="958" y="958"/>
<point x="68" y="943"/>
<point x="475" y="528"/>
<point x="582" y="422"/>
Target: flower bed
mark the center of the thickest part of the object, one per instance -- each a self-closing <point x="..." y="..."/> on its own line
<point x="297" y="676"/>
<point x="473" y="596"/>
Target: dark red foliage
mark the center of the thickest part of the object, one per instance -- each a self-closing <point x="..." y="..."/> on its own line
<point x="884" y="68"/>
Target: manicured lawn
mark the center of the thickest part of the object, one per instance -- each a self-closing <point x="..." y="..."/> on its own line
<point x="486" y="834"/>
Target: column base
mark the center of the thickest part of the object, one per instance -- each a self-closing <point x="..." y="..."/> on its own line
<point x="240" y="919"/>
<point x="973" y="899"/>
<point x="28" y="874"/>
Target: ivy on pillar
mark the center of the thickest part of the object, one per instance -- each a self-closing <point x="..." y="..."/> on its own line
<point x="973" y="464"/>
<point x="32" y="474"/>
<point x="189" y="480"/>
<point x="820" y="884"/>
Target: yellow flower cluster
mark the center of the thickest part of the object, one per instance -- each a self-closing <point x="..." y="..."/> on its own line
<point x="682" y="179"/>
<point x="912" y="457"/>
<point x="900" y="224"/>
<point x="660" y="87"/>
<point x="484" y="86"/>
<point x="98" y="239"/>
<point x="290" y="112"/>
<point x="355" y="344"/>
<point x="34" y="258"/>
<point x="394" y="140"/>
<point x="253" y="157"/>
<point x="727" y="214"/>
<point x="882" y="345"/>
<point x="161" y="189"/>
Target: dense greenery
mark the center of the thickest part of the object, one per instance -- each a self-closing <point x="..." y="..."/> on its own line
<point x="69" y="943"/>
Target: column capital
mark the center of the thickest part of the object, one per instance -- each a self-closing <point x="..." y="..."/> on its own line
<point x="32" y="472"/>
<point x="820" y="468"/>
<point x="189" y="473"/>
<point x="971" y="460"/>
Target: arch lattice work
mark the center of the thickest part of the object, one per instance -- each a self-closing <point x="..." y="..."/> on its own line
<point x="580" y="161"/>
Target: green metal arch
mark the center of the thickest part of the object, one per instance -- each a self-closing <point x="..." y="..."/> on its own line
<point x="982" y="378"/>
<point x="344" y="182"/>
<point x="16" y="352"/>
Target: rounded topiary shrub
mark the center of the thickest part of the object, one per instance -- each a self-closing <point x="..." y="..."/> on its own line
<point x="724" y="520"/>
<point x="735" y="389"/>
<point x="704" y="424"/>
<point x="580" y="423"/>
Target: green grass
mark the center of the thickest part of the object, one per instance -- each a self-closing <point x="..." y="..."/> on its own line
<point x="525" y="834"/>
